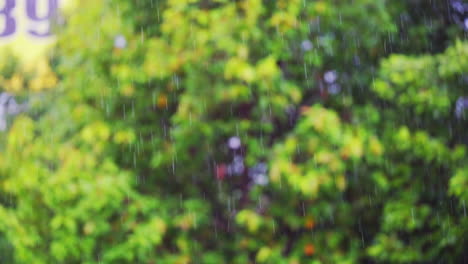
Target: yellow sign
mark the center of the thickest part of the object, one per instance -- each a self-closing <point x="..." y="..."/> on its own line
<point x="26" y="26"/>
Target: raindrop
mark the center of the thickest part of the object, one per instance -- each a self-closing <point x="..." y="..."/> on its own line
<point x="261" y="179"/>
<point x="9" y="106"/>
<point x="330" y="76"/>
<point x="258" y="174"/>
<point x="120" y="42"/>
<point x="460" y="106"/>
<point x="334" y="88"/>
<point x="306" y="45"/>
<point x="237" y="166"/>
<point x="234" y="143"/>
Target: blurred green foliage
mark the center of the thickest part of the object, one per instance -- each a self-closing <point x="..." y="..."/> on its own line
<point x="349" y="104"/>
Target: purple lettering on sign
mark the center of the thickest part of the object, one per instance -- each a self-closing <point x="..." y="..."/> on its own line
<point x="31" y="11"/>
<point x="39" y="25"/>
<point x="10" y="22"/>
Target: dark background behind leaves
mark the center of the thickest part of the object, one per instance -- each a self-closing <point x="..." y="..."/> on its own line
<point x="249" y="131"/>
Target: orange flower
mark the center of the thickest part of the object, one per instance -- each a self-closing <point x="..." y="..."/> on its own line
<point x="309" y="249"/>
<point x="309" y="223"/>
<point x="162" y="101"/>
<point x="304" y="109"/>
